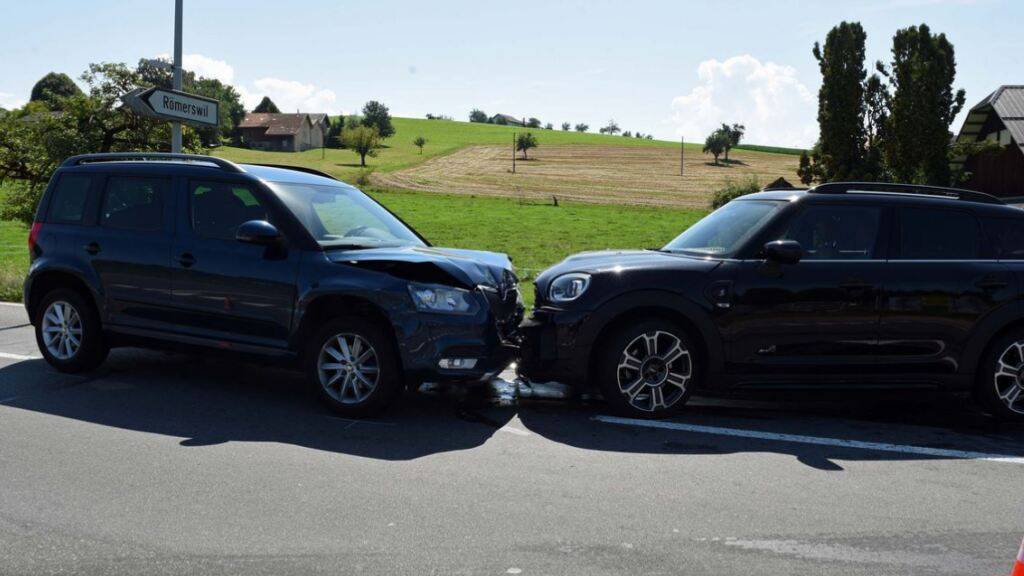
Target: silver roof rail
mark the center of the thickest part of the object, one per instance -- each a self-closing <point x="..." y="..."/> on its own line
<point x="221" y="163"/>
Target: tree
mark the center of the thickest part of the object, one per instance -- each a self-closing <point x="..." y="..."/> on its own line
<point x="549" y="126"/>
<point x="524" y="142"/>
<point x="715" y="144"/>
<point x="533" y="123"/>
<point x="420" y="142"/>
<point x="611" y="128"/>
<point x="877" y="102"/>
<point x="733" y="136"/>
<point x="376" y="115"/>
<point x="362" y="140"/>
<point x="499" y="120"/>
<point x="53" y="88"/>
<point x="841" y="100"/>
<point x="334" y="132"/>
<point x="478" y="115"/>
<point x="811" y="169"/>
<point x="627" y="134"/>
<point x="566" y="127"/>
<point x="581" y="127"/>
<point x="804" y="170"/>
<point x="923" y="106"/>
<point x="266" y="105"/>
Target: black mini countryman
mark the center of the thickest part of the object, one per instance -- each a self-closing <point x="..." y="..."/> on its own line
<point x="176" y="250"/>
<point x="841" y="286"/>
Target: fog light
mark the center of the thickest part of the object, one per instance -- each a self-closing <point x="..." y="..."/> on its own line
<point x="457" y="363"/>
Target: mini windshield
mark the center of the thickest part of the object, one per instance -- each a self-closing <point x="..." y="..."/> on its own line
<point x="725" y="230"/>
<point x="343" y="217"/>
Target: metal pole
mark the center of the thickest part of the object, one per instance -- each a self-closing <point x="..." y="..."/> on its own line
<point x="682" y="147"/>
<point x="176" y="126"/>
<point x="513" y="152"/>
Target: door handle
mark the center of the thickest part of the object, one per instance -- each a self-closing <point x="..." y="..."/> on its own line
<point x="991" y="283"/>
<point x="186" y="260"/>
<point x="93" y="248"/>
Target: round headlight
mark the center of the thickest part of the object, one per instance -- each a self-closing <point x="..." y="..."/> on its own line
<point x="568" y="287"/>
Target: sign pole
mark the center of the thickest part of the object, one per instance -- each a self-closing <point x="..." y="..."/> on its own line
<point x="513" y="152"/>
<point x="682" y="147"/>
<point x="176" y="126"/>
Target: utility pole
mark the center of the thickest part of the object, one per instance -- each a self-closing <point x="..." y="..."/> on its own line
<point x="513" y="152"/>
<point x="176" y="126"/>
<point x="682" y="147"/>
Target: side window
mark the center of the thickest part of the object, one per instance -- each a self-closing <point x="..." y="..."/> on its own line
<point x="1008" y="236"/>
<point x="836" y="232"/>
<point x="935" y="234"/>
<point x="219" y="208"/>
<point x="133" y="203"/>
<point x="69" y="198"/>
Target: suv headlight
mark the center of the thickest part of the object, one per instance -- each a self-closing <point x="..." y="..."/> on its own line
<point x="443" y="299"/>
<point x="568" y="287"/>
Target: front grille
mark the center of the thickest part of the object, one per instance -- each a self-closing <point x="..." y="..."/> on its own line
<point x="506" y="306"/>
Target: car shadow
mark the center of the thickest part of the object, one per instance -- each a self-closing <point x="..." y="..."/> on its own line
<point x="927" y="420"/>
<point x="212" y="400"/>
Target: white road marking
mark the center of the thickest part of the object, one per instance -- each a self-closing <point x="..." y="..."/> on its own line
<point x="513" y="430"/>
<point x="18" y="304"/>
<point x="818" y="441"/>
<point x="9" y="356"/>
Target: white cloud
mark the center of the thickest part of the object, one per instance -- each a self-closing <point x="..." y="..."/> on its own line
<point x="205" y="67"/>
<point x="768" y="98"/>
<point x="289" y="95"/>
<point x="10" y="101"/>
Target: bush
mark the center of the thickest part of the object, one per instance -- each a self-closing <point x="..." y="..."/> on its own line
<point x="20" y="201"/>
<point x="363" y="177"/>
<point x="733" y="190"/>
<point x="478" y="115"/>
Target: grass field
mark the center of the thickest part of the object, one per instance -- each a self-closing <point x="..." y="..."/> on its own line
<point x="13" y="257"/>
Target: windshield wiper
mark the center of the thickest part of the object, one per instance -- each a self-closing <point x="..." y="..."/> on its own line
<point x="348" y="246"/>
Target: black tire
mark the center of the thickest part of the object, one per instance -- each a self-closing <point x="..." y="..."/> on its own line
<point x="93" y="348"/>
<point x="635" y="392"/>
<point x="388" y="385"/>
<point x="1003" y="395"/>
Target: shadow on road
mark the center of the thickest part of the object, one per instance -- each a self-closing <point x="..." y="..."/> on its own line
<point x="214" y="400"/>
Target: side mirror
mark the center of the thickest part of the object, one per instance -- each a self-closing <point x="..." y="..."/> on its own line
<point x="783" y="251"/>
<point x="258" y="232"/>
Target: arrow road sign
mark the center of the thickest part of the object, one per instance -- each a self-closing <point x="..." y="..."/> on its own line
<point x="173" y="105"/>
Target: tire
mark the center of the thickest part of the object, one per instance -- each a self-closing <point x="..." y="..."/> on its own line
<point x="365" y="389"/>
<point x="1000" y="385"/>
<point x="64" y="316"/>
<point x="647" y="369"/>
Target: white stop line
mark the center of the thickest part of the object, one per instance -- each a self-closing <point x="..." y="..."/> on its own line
<point x="815" y="440"/>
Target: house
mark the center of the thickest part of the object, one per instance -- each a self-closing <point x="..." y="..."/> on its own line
<point x="998" y="118"/>
<point x="779" y="183"/>
<point x="507" y="119"/>
<point x="284" y="132"/>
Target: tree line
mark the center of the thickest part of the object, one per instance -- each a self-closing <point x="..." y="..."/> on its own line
<point x="612" y="128"/>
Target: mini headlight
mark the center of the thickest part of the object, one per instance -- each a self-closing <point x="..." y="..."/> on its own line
<point x="443" y="299"/>
<point x="568" y="287"/>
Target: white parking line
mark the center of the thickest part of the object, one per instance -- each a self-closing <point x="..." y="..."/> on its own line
<point x="818" y="441"/>
<point x="9" y="356"/>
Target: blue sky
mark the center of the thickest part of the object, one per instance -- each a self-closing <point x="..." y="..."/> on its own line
<point x="667" y="68"/>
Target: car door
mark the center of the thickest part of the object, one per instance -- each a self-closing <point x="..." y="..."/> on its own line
<point x="129" y="249"/>
<point x="941" y="281"/>
<point x="819" y="315"/>
<point x="223" y="288"/>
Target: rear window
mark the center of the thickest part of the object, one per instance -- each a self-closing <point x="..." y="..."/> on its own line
<point x="932" y="234"/>
<point x="134" y="203"/>
<point x="67" y="206"/>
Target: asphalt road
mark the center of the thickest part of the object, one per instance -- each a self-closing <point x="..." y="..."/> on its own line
<point x="167" y="464"/>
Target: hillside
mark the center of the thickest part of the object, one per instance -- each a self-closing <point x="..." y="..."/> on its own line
<point x="468" y="158"/>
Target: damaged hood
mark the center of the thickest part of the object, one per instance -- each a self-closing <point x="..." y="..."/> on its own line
<point x="449" y="266"/>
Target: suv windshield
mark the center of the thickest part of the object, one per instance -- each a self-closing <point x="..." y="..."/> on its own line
<point x="343" y="217"/>
<point x="722" y="232"/>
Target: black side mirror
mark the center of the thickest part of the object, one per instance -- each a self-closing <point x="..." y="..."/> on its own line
<point x="258" y="232"/>
<point x="783" y="251"/>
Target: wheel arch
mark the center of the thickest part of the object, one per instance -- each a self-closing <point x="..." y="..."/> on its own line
<point x="44" y="281"/>
<point x="325" y="307"/>
<point x="991" y="329"/>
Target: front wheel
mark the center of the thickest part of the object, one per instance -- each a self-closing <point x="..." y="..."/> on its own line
<point x="1000" y="387"/>
<point x="647" y="370"/>
<point x="354" y="366"/>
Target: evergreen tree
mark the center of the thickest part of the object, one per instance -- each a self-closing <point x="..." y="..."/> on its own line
<point x="53" y="88"/>
<point x="841" y="101"/>
<point x="266" y="105"/>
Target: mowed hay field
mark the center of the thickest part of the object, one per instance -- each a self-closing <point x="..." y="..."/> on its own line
<point x="591" y="173"/>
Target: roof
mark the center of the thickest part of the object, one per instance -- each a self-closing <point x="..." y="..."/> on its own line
<point x="508" y="118"/>
<point x="1008" y="103"/>
<point x="279" y="124"/>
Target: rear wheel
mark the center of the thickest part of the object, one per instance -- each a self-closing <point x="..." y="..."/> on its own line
<point x="647" y="369"/>
<point x="1001" y="385"/>
<point x="68" y="332"/>
<point x="354" y="367"/>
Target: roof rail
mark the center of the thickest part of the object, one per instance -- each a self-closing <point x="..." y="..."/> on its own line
<point x="312" y="171"/>
<point x="221" y="163"/>
<point x="918" y="189"/>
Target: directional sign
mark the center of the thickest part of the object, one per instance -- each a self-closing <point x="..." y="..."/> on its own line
<point x="173" y="105"/>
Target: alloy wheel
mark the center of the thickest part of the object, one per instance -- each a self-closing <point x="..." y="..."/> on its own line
<point x="654" y="370"/>
<point x="62" y="330"/>
<point x="1009" y="377"/>
<point x="348" y="368"/>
